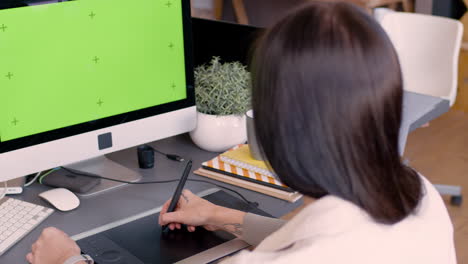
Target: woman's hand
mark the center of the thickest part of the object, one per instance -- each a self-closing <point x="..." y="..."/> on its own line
<point x="52" y="247"/>
<point x="194" y="211"/>
<point x="191" y="210"/>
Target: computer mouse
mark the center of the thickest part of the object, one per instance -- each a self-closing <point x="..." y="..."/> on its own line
<point x="61" y="198"/>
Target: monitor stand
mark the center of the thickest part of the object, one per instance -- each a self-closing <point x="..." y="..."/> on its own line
<point x="105" y="167"/>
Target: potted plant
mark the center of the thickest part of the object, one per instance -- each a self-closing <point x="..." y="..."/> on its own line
<point x="223" y="95"/>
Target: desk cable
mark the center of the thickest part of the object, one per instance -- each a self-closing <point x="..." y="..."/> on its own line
<point x="173" y="157"/>
<point x="39" y="176"/>
<point x="84" y="174"/>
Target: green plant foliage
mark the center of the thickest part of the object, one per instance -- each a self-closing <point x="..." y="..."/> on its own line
<point x="222" y="88"/>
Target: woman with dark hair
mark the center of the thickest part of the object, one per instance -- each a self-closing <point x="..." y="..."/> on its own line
<point x="327" y="97"/>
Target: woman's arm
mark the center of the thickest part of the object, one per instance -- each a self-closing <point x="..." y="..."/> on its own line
<point x="257" y="228"/>
<point x="229" y="220"/>
<point x="195" y="211"/>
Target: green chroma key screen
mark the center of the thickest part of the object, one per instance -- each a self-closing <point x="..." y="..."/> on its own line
<point x="68" y="63"/>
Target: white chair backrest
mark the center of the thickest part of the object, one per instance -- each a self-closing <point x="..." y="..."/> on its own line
<point x="428" y="48"/>
<point x="380" y="12"/>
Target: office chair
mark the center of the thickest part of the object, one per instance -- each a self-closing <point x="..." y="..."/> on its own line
<point x="239" y="10"/>
<point x="428" y="48"/>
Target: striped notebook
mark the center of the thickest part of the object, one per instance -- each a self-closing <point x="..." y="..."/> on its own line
<point x="240" y="156"/>
<point x="219" y="166"/>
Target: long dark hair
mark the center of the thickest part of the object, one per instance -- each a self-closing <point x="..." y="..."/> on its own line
<point x="327" y="98"/>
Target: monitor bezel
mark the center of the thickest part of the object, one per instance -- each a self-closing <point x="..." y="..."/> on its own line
<point x="61" y="133"/>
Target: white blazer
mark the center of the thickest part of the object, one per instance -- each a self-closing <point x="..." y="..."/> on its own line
<point x="332" y="230"/>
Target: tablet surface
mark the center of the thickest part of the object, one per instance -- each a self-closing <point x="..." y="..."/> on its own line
<point x="141" y="241"/>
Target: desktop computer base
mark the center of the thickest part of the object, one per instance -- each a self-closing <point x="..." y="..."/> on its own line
<point x="105" y="167"/>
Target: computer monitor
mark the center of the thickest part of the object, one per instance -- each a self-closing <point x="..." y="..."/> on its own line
<point x="81" y="79"/>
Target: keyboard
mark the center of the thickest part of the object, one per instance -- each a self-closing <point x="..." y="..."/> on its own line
<point x="17" y="219"/>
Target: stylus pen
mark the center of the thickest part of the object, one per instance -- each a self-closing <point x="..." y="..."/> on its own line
<point x="178" y="192"/>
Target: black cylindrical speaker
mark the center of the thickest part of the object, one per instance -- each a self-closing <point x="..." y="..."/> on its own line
<point x="145" y="157"/>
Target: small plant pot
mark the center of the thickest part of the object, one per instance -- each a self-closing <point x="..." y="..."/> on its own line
<point x="219" y="133"/>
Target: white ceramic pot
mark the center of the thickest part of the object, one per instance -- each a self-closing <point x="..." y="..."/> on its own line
<point x="219" y="133"/>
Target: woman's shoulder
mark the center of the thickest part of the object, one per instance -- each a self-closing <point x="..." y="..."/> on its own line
<point x="431" y="208"/>
<point x="328" y="216"/>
